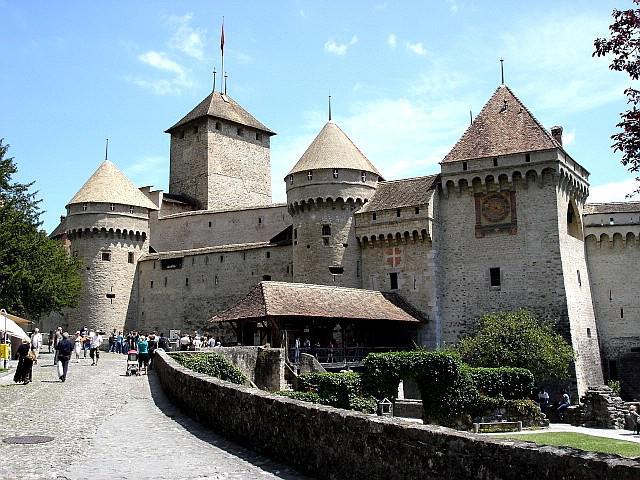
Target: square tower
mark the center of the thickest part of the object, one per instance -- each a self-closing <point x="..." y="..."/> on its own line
<point x="220" y="156"/>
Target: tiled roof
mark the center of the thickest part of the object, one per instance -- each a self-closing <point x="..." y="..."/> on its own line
<point x="204" y="250"/>
<point x="110" y="185"/>
<point x="222" y="106"/>
<point x="333" y="149"/>
<point x="504" y="126"/>
<point x="613" y="207"/>
<point x="280" y="299"/>
<point x="59" y="230"/>
<point x="401" y="193"/>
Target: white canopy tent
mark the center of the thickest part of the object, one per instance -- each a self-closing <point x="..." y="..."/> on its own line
<point x="11" y="327"/>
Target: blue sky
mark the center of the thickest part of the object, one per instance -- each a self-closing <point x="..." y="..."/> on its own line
<point x="402" y="76"/>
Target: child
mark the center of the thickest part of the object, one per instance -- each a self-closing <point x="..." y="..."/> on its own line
<point x="635" y="419"/>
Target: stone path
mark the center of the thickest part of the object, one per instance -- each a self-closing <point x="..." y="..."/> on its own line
<point x="627" y="435"/>
<point x="109" y="426"/>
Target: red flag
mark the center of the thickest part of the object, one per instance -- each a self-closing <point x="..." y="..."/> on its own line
<point x="222" y="39"/>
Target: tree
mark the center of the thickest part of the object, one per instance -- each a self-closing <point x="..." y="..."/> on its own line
<point x="37" y="276"/>
<point x="517" y="339"/>
<point x="624" y="45"/>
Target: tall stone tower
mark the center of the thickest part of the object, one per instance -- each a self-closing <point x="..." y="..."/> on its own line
<point x="329" y="183"/>
<point x="107" y="225"/>
<point x="220" y="156"/>
<point x="511" y="234"/>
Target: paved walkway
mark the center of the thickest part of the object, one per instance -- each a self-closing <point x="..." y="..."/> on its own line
<point x="596" y="432"/>
<point x="110" y="426"/>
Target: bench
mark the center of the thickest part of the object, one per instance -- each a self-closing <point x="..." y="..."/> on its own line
<point x="491" y="427"/>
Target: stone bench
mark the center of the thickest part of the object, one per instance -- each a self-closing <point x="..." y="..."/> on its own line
<point x="491" y="427"/>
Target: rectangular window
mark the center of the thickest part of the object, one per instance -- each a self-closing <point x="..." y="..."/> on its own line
<point x="84" y="207"/>
<point x="397" y="212"/>
<point x="154" y="264"/>
<point x="393" y="279"/>
<point x="494" y="274"/>
<point x="363" y="176"/>
<point x="414" y="282"/>
<point x="611" y="221"/>
<point x="268" y="254"/>
<point x="621" y="312"/>
<point x="165" y="281"/>
<point x="325" y="241"/>
<point x="182" y="134"/>
<point x="373" y="216"/>
<point x="495" y="162"/>
<point x="266" y="277"/>
<point x="186" y="282"/>
<point x="588" y="333"/>
<point x="244" y="255"/>
<point x="464" y="166"/>
<point x="171" y="263"/>
<point x="259" y="219"/>
<point x="112" y="207"/>
<point x="130" y="257"/>
<point x="221" y="258"/>
<point x="579" y="279"/>
<point x="326" y="230"/>
<point x="335" y="173"/>
<point x="215" y="280"/>
<point x="151" y="284"/>
<point x="527" y="158"/>
<point x="218" y="126"/>
<point x="209" y="224"/>
<point x="295" y="233"/>
<point x="106" y="256"/>
<point x="240" y="132"/>
<point x="358" y="269"/>
<point x="130" y="208"/>
<point x="193" y="260"/>
<point x="417" y="210"/>
<point x="258" y="136"/>
<point x="613" y="370"/>
<point x="206" y="260"/>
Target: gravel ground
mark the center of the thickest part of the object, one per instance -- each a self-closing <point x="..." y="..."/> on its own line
<point x="109" y="426"/>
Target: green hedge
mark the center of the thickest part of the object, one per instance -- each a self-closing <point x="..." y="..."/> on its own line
<point x="526" y="411"/>
<point x="211" y="364"/>
<point x="311" y="397"/>
<point x="335" y="389"/>
<point x="506" y="382"/>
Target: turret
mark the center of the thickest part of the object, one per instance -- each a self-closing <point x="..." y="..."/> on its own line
<point x="107" y="225"/>
<point x="331" y="181"/>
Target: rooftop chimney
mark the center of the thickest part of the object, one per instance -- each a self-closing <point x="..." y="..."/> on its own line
<point x="556" y="133"/>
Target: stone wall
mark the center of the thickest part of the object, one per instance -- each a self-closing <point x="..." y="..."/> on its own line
<point x="330" y="443"/>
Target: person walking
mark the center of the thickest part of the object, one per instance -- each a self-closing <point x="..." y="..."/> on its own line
<point x="77" y="346"/>
<point x="64" y="349"/>
<point x="36" y="342"/>
<point x="143" y="353"/>
<point x="564" y="404"/>
<point x="57" y="337"/>
<point x="26" y="358"/>
<point x="94" y="353"/>
<point x="153" y="345"/>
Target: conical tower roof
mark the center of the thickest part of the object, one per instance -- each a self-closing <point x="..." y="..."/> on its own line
<point x="333" y="149"/>
<point x="503" y="127"/>
<point x="109" y="185"/>
<point x="222" y="106"/>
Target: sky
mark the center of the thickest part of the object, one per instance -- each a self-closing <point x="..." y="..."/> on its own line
<point x="403" y="77"/>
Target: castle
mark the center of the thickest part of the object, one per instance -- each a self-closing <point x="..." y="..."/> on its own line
<point x="504" y="225"/>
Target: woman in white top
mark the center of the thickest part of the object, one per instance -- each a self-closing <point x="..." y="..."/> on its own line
<point x="77" y="346"/>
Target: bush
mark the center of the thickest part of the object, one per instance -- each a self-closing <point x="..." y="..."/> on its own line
<point x="211" y="364"/>
<point x="526" y="411"/>
<point x="303" y="396"/>
<point x="335" y="389"/>
<point x="507" y="382"/>
<point x="383" y="372"/>
<point x="615" y="387"/>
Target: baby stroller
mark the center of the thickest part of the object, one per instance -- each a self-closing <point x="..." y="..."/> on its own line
<point x="132" y="363"/>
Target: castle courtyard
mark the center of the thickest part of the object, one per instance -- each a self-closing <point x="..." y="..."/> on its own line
<point x="107" y="425"/>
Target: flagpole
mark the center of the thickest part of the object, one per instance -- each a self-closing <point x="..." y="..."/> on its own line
<point x="222" y="50"/>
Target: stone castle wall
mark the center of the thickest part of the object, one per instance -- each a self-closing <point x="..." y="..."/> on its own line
<point x="208" y="281"/>
<point x="331" y="443"/>
<point x="188" y="162"/>
<point x="204" y="228"/>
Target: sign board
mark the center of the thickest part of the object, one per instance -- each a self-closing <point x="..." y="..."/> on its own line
<point x="174" y="334"/>
<point x="5" y="351"/>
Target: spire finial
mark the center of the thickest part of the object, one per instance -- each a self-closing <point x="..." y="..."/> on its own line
<point x="225" y="82"/>
<point x="329" y="107"/>
<point x="502" y="70"/>
<point x="106" y="150"/>
<point x="222" y="54"/>
<point x="214" y="79"/>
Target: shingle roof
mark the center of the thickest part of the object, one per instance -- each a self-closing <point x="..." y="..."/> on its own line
<point x="221" y="106"/>
<point x="305" y="300"/>
<point x="401" y="193"/>
<point x="110" y="185"/>
<point x="333" y="149"/>
<point x="613" y="207"/>
<point x="234" y="247"/>
<point x="504" y="126"/>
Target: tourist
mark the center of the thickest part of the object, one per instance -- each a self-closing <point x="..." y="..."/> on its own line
<point x="50" y="340"/>
<point x="163" y="343"/>
<point x="330" y="358"/>
<point x="96" y="340"/>
<point x="36" y="342"/>
<point x="197" y="343"/>
<point x="184" y="342"/>
<point x="64" y="349"/>
<point x="543" y="400"/>
<point x="143" y="353"/>
<point x="564" y="404"/>
<point x="77" y="346"/>
<point x="296" y="350"/>
<point x="153" y="345"/>
<point x="26" y="359"/>
<point x="634" y="419"/>
<point x="112" y="341"/>
<point x="86" y="342"/>
<point x="57" y="337"/>
<point x="212" y="342"/>
<point x="119" y="340"/>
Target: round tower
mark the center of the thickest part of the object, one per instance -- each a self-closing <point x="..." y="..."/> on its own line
<point x="327" y="185"/>
<point x="107" y="225"/>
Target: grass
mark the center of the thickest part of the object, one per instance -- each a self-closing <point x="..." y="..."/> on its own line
<point x="581" y="441"/>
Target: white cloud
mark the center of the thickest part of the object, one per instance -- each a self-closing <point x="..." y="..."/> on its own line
<point x="149" y="170"/>
<point x="417" y="48"/>
<point x="568" y="138"/>
<point x="186" y="38"/>
<point x="331" y="46"/>
<point x="162" y="86"/>
<point x="392" y="41"/>
<point x="613" y="191"/>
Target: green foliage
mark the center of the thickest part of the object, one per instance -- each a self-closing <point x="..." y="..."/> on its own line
<point x="37" y="275"/>
<point x="615" y="386"/>
<point x="364" y="404"/>
<point x="211" y="364"/>
<point x="517" y="339"/>
<point x="311" y="397"/>
<point x="526" y="411"/>
<point x="335" y="389"/>
<point x="383" y="372"/>
<point x="506" y="382"/>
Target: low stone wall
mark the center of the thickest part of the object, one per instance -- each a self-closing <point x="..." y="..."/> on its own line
<point x="330" y="443"/>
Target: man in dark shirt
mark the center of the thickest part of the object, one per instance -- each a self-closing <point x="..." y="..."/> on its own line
<point x="64" y="348"/>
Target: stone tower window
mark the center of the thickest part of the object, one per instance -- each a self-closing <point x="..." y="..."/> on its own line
<point x="495" y="162"/>
<point x="258" y="136"/>
<point x="195" y="130"/>
<point x="326" y="230"/>
<point x="259" y="219"/>
<point x="363" y="176"/>
<point x="165" y="281"/>
<point x="336" y="270"/>
<point x="374" y="216"/>
<point x="527" y="157"/>
<point x="494" y="277"/>
<point x="588" y="333"/>
<point x="464" y="166"/>
<point x="106" y="256"/>
<point x="579" y="280"/>
<point x="397" y="212"/>
<point x="221" y="258"/>
<point x="358" y="269"/>
<point x="130" y="257"/>
<point x="393" y="280"/>
<point x="574" y="228"/>
<point x="215" y="280"/>
<point x="186" y="282"/>
<point x="417" y="210"/>
<point x="130" y="208"/>
<point x="112" y="207"/>
<point x="266" y="278"/>
<point x="240" y="132"/>
<point x="218" y="126"/>
<point x="151" y="284"/>
<point x="335" y="173"/>
<point x="84" y="207"/>
<point x="268" y="255"/>
<point x="290" y="179"/>
<point x="181" y="134"/>
<point x="621" y="312"/>
<point x="310" y="175"/>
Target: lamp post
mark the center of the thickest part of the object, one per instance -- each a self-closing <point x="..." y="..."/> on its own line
<point x="3" y="312"/>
